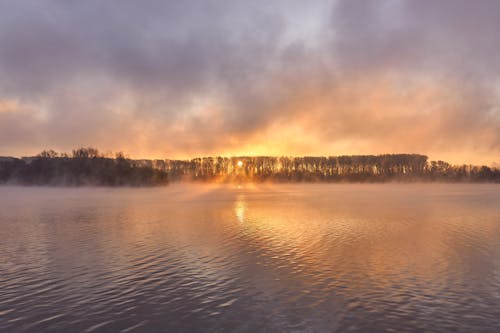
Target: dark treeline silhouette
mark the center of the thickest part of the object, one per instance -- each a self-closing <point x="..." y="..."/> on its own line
<point x="361" y="168"/>
<point x="86" y="166"/>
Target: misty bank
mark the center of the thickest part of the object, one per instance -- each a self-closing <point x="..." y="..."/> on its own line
<point x="87" y="167"/>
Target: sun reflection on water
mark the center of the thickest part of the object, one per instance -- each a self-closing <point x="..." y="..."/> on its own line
<point x="240" y="208"/>
<point x="326" y="252"/>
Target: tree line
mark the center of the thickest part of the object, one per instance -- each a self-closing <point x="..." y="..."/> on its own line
<point x="87" y="166"/>
<point x="357" y="168"/>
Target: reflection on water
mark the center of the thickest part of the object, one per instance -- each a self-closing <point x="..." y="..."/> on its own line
<point x="240" y="207"/>
<point x="263" y="258"/>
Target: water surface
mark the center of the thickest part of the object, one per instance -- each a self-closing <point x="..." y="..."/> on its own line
<point x="256" y="258"/>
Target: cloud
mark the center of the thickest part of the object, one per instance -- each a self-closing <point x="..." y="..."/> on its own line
<point x="163" y="78"/>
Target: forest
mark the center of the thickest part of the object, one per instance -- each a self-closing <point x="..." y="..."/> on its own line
<point x="87" y="166"/>
<point x="357" y="168"/>
<point x="84" y="167"/>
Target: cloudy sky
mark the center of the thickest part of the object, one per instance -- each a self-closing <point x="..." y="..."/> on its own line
<point x="159" y="78"/>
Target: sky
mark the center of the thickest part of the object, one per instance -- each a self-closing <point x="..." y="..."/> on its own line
<point x="179" y="79"/>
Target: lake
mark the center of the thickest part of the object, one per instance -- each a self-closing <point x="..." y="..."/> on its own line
<point x="251" y="258"/>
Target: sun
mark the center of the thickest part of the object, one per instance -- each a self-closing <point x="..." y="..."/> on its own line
<point x="240" y="164"/>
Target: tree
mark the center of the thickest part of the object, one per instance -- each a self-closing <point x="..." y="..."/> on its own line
<point x="85" y="153"/>
<point x="48" y="154"/>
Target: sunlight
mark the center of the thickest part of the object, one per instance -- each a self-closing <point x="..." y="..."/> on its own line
<point x="240" y="208"/>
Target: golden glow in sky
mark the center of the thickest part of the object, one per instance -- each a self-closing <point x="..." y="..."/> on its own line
<point x="296" y="78"/>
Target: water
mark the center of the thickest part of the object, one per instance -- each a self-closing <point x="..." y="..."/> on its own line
<point x="199" y="258"/>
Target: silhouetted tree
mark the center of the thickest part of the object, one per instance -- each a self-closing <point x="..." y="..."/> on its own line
<point x="88" y="167"/>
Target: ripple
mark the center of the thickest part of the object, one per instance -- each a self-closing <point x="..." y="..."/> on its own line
<point x="303" y="258"/>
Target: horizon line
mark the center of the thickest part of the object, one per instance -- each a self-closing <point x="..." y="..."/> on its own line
<point x="112" y="155"/>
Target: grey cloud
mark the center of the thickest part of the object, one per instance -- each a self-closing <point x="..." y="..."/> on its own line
<point x="202" y="77"/>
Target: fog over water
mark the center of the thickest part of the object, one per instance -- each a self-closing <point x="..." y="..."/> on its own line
<point x="401" y="257"/>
